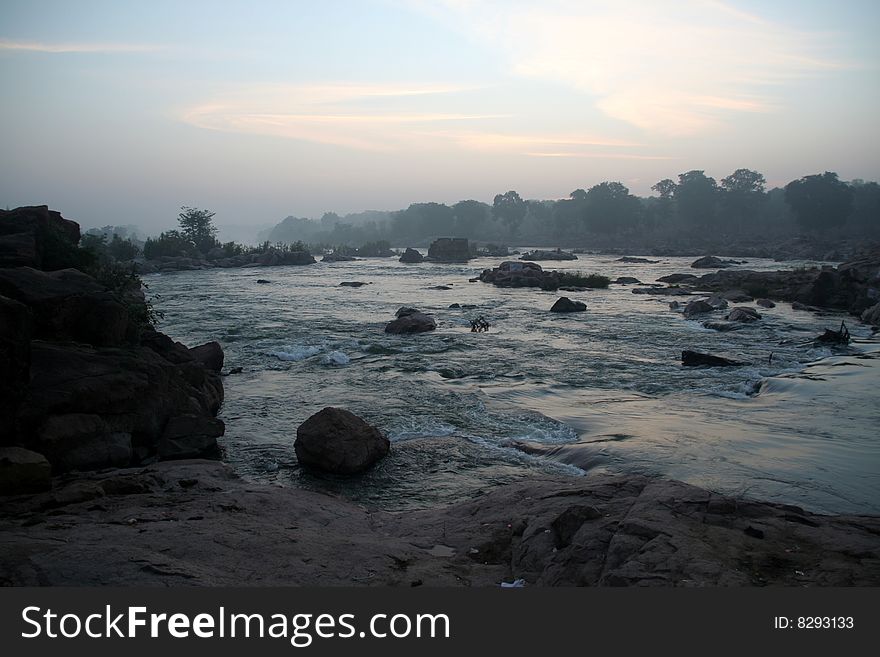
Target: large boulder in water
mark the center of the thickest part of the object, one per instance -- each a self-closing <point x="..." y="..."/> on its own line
<point x="713" y="262"/>
<point x="35" y="236"/>
<point x="338" y="441"/>
<point x="697" y="307"/>
<point x="450" y="249"/>
<point x="412" y="256"/>
<point x="411" y="322"/>
<point x="566" y="305"/>
<point x="210" y="355"/>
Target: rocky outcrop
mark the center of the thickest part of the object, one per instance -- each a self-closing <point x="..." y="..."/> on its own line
<point x="872" y="315"/>
<point x="338" y="441"/>
<point x="411" y="256"/>
<point x="449" y="249"/>
<point x="600" y="530"/>
<point x="557" y="254"/>
<point x="713" y="262"/>
<point x="696" y="359"/>
<point x="35" y="236"/>
<point x="627" y="280"/>
<point x="87" y="383"/>
<point x="410" y="320"/>
<point x="337" y="257"/>
<point x="566" y="305"/>
<point x="675" y="279"/>
<point x="632" y="260"/>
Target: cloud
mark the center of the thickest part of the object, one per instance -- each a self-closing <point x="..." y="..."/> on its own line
<point x="38" y="46"/>
<point x="670" y="69"/>
<point x="339" y="114"/>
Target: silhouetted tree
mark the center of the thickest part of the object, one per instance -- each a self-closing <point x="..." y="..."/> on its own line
<point x="742" y="196"/>
<point x="819" y="202"/>
<point x="866" y="206"/>
<point x="611" y="208"/>
<point x="510" y="209"/>
<point x="196" y="225"/>
<point x="695" y="196"/>
<point x="470" y="217"/>
<point x="665" y="187"/>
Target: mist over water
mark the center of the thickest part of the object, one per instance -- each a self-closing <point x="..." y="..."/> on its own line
<point x="567" y="394"/>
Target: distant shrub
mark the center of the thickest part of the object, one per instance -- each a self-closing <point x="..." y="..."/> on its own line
<point x="377" y="249"/>
<point x="577" y="279"/>
<point x="169" y="244"/>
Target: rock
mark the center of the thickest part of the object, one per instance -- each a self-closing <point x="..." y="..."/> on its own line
<point x="627" y="280"/>
<point x="411" y="256"/>
<point x="68" y="305"/>
<point x="35" y="236"/>
<point x="403" y="311"/>
<point x="415" y="322"/>
<point x="713" y="262"/>
<point x="191" y="436"/>
<point x="439" y="287"/>
<point x="675" y="279"/>
<point x="872" y="315"/>
<point x="632" y="260"/>
<point x="723" y="326"/>
<point x="765" y="303"/>
<point x="736" y="296"/>
<point x="337" y="441"/>
<point x="697" y="307"/>
<point x="743" y="314"/>
<point x="23" y="471"/>
<point x="210" y="355"/>
<point x="83" y="441"/>
<point x="663" y="291"/>
<point x="566" y="305"/>
<point x="16" y="329"/>
<point x="352" y="284"/>
<point x="493" y="251"/>
<point x="717" y="302"/>
<point x="695" y="359"/>
<point x="235" y="370"/>
<point x="449" y="249"/>
<point x="558" y="254"/>
<point x="337" y="257"/>
<point x="454" y="305"/>
<point x="263" y="281"/>
<point x="797" y="305"/>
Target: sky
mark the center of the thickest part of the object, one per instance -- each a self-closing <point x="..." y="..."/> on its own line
<point x="121" y="112"/>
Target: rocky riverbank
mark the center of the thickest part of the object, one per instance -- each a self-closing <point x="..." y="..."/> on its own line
<point x="86" y="380"/>
<point x="196" y="523"/>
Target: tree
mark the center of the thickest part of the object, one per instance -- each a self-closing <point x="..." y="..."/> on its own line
<point x="819" y="202"/>
<point x="470" y="216"/>
<point x="611" y="208"/>
<point x="742" y="196"/>
<point x="695" y="196"/>
<point x="866" y="206"/>
<point x="665" y="187"/>
<point x="196" y="226"/>
<point x="510" y="209"/>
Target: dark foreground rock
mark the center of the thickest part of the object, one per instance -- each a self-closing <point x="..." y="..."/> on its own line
<point x="338" y="441"/>
<point x="86" y="382"/>
<point x="696" y="359"/>
<point x="566" y="305"/>
<point x="194" y="523"/>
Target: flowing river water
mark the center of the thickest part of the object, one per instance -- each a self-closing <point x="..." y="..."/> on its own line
<point x="601" y="390"/>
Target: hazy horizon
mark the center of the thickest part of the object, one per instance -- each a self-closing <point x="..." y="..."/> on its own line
<point x="121" y="113"/>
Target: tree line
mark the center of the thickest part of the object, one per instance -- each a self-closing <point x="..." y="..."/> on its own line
<point x="693" y="206"/>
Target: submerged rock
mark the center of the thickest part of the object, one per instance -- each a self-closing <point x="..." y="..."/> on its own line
<point x="695" y="359"/>
<point x="627" y="280"/>
<point x="633" y="260"/>
<point x="765" y="303"/>
<point x="566" y="305"/>
<point x="558" y="254"/>
<point x="338" y="441"/>
<point x="697" y="307"/>
<point x="713" y="262"/>
<point x="352" y="284"/>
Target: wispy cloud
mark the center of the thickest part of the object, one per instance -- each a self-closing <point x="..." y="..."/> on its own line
<point x="365" y="117"/>
<point x="109" y="48"/>
<point x="668" y="68"/>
